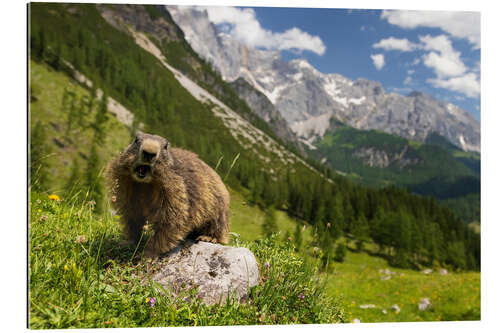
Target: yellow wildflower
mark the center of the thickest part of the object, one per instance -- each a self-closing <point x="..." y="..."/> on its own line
<point x="54" y="197"/>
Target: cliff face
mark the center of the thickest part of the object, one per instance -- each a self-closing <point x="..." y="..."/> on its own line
<point x="261" y="105"/>
<point x="374" y="157"/>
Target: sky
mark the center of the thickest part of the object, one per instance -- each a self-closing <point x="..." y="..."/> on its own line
<point x="435" y="52"/>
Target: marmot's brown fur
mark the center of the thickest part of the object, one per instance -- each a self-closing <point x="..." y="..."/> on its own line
<point x="172" y="189"/>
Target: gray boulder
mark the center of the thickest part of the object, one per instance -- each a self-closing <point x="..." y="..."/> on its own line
<point x="218" y="271"/>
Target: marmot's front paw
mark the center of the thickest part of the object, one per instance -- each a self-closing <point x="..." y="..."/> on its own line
<point x="150" y="253"/>
<point x="207" y="239"/>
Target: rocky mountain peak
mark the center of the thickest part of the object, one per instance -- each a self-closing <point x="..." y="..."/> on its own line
<point x="307" y="99"/>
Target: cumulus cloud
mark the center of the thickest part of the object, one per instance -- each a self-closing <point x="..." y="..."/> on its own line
<point x="466" y="25"/>
<point x="392" y="43"/>
<point x="467" y="84"/>
<point x="378" y="61"/>
<point x="443" y="59"/>
<point x="244" y="26"/>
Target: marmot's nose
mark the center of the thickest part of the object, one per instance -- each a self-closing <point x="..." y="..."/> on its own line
<point x="150" y="150"/>
<point x="147" y="156"/>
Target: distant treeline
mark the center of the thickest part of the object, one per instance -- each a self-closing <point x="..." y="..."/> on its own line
<point x="410" y="229"/>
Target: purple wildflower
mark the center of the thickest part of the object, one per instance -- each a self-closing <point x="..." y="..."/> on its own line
<point x="152" y="301"/>
<point x="302" y="296"/>
<point x="267" y="264"/>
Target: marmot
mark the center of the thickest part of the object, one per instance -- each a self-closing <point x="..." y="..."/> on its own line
<point x="172" y="189"/>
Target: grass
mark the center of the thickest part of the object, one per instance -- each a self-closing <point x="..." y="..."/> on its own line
<point x="359" y="281"/>
<point x="83" y="275"/>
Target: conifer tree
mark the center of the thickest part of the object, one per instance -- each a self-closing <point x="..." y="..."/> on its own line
<point x="39" y="151"/>
<point x="73" y="184"/>
<point x="269" y="226"/>
<point x="100" y="119"/>
<point x="340" y="252"/>
<point x="92" y="180"/>
<point x="360" y="231"/>
<point x="297" y="237"/>
<point x="70" y="109"/>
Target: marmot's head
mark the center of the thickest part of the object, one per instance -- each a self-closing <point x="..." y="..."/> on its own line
<point x="146" y="157"/>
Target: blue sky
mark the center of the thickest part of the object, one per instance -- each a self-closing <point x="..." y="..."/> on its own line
<point x="433" y="52"/>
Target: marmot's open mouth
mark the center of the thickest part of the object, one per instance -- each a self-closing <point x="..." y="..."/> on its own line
<point x="142" y="170"/>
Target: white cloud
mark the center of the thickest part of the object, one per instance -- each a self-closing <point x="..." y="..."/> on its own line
<point x="465" y="25"/>
<point x="392" y="43"/>
<point x="378" y="61"/>
<point x="467" y="84"/>
<point x="408" y="80"/>
<point x="443" y="59"/>
<point x="245" y="27"/>
<point x="411" y="71"/>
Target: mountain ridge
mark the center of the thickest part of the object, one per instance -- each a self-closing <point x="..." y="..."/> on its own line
<point x="307" y="98"/>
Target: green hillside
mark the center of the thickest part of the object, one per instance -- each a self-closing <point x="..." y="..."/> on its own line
<point x="436" y="168"/>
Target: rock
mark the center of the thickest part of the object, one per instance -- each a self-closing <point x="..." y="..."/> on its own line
<point x="443" y="271"/>
<point x="218" y="271"/>
<point x="367" y="306"/>
<point x="356" y="321"/>
<point x="384" y="311"/>
<point x="424" y="304"/>
<point x="427" y="271"/>
<point x="396" y="308"/>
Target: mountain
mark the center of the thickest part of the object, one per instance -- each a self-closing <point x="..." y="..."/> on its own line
<point x="307" y="99"/>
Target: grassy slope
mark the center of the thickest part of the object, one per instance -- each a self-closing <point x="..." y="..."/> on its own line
<point x="49" y="87"/>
